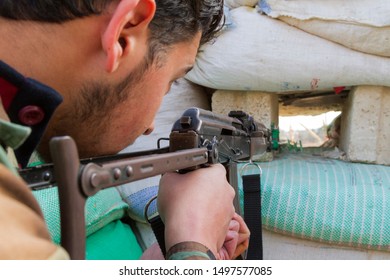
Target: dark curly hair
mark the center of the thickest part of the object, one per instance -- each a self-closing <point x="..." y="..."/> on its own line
<point x="175" y="20"/>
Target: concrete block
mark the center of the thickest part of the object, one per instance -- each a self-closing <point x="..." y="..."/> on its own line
<point x="365" y="125"/>
<point x="264" y="107"/>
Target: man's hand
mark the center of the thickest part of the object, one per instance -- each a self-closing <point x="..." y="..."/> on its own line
<point x="153" y="253"/>
<point x="236" y="241"/>
<point x="197" y="206"/>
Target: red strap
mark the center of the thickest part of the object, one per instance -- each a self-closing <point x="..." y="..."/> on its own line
<point x="7" y="92"/>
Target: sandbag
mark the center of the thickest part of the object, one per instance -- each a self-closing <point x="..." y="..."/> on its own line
<point x="373" y="12"/>
<point x="264" y="54"/>
<point x="363" y="38"/>
<point x="364" y="32"/>
<point x="238" y="3"/>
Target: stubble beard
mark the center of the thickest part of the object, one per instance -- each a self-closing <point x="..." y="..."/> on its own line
<point x="88" y="116"/>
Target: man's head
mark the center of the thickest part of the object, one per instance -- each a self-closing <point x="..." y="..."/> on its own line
<point x="112" y="60"/>
<point x="174" y="20"/>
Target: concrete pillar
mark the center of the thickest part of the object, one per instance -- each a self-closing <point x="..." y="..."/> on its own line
<point x="365" y="125"/>
<point x="264" y="107"/>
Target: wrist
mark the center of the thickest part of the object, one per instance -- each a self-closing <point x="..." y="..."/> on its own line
<point x="189" y="250"/>
<point x="182" y="234"/>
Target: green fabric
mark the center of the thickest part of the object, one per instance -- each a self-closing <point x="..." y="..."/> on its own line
<point x="13" y="135"/>
<point x="326" y="200"/>
<point x="35" y="160"/>
<point x="115" y="241"/>
<point x="107" y="236"/>
<point x="5" y="161"/>
<point x="101" y="209"/>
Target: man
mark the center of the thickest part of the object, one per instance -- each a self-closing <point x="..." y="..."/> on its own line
<point x="111" y="62"/>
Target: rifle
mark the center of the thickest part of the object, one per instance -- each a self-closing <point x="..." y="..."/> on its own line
<point x="198" y="138"/>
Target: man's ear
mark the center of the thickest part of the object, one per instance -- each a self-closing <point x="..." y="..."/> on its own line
<point x="127" y="21"/>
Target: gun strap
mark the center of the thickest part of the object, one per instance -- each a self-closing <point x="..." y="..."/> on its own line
<point x="158" y="228"/>
<point x="252" y="215"/>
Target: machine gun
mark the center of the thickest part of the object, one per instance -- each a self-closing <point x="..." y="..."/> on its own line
<point x="198" y="138"/>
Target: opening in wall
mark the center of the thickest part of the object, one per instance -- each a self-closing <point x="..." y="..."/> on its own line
<point x="310" y="131"/>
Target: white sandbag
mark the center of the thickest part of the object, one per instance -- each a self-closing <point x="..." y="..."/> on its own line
<point x="363" y="38"/>
<point x="373" y="12"/>
<point x="265" y="54"/>
<point x="238" y="3"/>
<point x="359" y="25"/>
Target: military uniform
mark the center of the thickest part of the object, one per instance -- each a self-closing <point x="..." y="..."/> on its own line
<point x="23" y="232"/>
